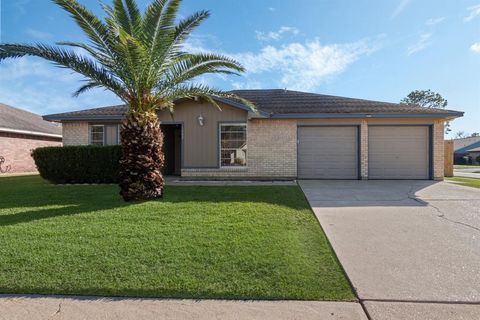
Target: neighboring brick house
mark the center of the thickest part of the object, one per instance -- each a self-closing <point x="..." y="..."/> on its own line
<point x="466" y="150"/>
<point x="21" y="132"/>
<point x="292" y="135"/>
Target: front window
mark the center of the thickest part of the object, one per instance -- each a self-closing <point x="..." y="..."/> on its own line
<point x="233" y="145"/>
<point x="104" y="134"/>
<point x="97" y="135"/>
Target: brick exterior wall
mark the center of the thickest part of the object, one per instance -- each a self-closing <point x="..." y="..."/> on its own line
<point x="364" y="150"/>
<point x="16" y="149"/>
<point x="272" y="149"/>
<point x="75" y="133"/>
<point x="271" y="152"/>
<point x="438" y="152"/>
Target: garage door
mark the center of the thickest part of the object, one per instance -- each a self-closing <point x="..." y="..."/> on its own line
<point x="398" y="152"/>
<point x="327" y="153"/>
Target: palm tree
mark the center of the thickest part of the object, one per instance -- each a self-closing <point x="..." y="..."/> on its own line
<point x="139" y="57"/>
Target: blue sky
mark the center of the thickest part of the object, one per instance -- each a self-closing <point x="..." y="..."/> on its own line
<point x="379" y="50"/>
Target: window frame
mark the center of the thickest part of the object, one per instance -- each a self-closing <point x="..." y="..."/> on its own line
<point x="223" y="124"/>
<point x="90" y="133"/>
<point x="104" y="125"/>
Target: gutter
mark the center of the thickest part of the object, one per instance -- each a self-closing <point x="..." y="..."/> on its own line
<point x="32" y="133"/>
<point x="82" y="118"/>
<point x="449" y="115"/>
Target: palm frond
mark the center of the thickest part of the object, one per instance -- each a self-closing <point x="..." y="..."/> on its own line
<point x="134" y="13"/>
<point x="187" y="25"/>
<point x="98" y="55"/>
<point x="86" y="87"/>
<point x="159" y="23"/>
<point x="194" y="65"/>
<point x="137" y="56"/>
<point x="65" y="59"/>
<point x="93" y="27"/>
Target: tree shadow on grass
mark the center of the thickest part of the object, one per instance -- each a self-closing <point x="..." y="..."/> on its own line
<point x="40" y="214"/>
<point x="27" y="199"/>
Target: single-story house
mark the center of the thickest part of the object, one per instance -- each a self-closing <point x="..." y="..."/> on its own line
<point x="466" y="150"/>
<point x="292" y="135"/>
<point x="21" y="132"/>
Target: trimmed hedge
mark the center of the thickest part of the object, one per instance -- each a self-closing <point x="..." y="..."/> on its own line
<point x="78" y="164"/>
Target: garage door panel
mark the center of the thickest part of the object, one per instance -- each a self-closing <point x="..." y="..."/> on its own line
<point x="327" y="153"/>
<point x="398" y="152"/>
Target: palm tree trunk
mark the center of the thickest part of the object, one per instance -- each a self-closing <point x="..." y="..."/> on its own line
<point x="142" y="160"/>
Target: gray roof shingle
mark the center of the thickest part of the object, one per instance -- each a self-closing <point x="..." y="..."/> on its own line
<point x="279" y="102"/>
<point x="20" y="120"/>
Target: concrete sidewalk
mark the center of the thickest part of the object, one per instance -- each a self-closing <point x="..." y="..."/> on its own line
<point x="467" y="173"/>
<point x="13" y="307"/>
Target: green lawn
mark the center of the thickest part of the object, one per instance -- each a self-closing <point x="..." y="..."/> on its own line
<point x="471" y="182"/>
<point x="198" y="242"/>
<point x="465" y="166"/>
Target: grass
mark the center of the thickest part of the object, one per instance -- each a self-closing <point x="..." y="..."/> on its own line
<point x="466" y="166"/>
<point x="470" y="182"/>
<point x="198" y="242"/>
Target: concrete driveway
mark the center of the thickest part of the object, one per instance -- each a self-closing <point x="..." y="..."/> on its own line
<point x="404" y="244"/>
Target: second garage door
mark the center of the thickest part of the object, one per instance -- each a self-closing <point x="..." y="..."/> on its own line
<point x="328" y="152"/>
<point x="398" y="152"/>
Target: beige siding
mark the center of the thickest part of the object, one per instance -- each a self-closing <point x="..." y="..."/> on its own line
<point x="200" y="143"/>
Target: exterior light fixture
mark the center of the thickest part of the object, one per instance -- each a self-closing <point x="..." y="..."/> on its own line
<point x="200" y="120"/>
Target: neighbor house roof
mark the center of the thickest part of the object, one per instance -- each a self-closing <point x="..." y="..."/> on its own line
<point x="279" y="103"/>
<point x="16" y="120"/>
<point x="469" y="148"/>
<point x="462" y="143"/>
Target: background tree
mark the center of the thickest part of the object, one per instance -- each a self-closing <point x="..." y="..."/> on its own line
<point x="139" y="57"/>
<point x="460" y="135"/>
<point x="427" y="99"/>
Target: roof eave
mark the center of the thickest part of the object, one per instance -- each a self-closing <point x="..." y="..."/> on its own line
<point x="31" y="133"/>
<point x="448" y="115"/>
<point x="60" y="118"/>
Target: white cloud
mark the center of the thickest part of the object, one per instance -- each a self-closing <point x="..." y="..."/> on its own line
<point x="271" y="9"/>
<point x="303" y="65"/>
<point x="423" y="42"/>
<point x="475" y="47"/>
<point x="37" y="34"/>
<point x="399" y="8"/>
<point x="38" y="86"/>
<point x="276" y="35"/>
<point x="474" y="11"/>
<point x="434" y="21"/>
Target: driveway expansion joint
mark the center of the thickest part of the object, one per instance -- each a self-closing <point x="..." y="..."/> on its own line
<point x="441" y="214"/>
<point x="475" y="303"/>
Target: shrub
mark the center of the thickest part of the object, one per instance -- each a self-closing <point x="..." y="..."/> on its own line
<point x="478" y="159"/>
<point x="78" y="164"/>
